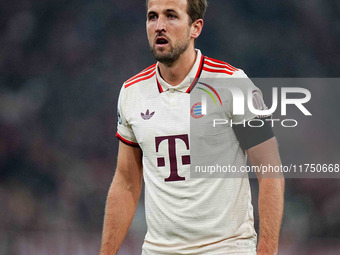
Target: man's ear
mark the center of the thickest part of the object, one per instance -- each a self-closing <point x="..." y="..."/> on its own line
<point x="196" y="28"/>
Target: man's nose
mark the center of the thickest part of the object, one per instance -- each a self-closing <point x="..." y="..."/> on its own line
<point x="161" y="25"/>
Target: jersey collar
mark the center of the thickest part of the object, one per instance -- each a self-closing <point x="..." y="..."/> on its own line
<point x="189" y="81"/>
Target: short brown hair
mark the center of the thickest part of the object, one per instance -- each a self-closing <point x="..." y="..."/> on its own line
<point x="196" y="9"/>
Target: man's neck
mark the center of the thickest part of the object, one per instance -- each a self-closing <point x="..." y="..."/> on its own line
<point x="175" y="73"/>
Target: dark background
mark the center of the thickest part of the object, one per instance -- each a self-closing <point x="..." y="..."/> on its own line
<point x="62" y="64"/>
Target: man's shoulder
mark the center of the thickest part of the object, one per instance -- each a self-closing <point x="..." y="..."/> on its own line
<point x="143" y="75"/>
<point x="219" y="67"/>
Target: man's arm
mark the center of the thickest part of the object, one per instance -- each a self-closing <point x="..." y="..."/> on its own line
<point x="122" y="198"/>
<point x="271" y="196"/>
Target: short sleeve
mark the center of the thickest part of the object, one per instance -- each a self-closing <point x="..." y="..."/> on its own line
<point x="248" y="89"/>
<point x="124" y="130"/>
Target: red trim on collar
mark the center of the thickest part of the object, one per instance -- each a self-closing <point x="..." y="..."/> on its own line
<point x="160" y="89"/>
<point x="194" y="82"/>
<point x="198" y="74"/>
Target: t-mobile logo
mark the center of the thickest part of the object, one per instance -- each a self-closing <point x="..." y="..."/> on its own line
<point x="172" y="155"/>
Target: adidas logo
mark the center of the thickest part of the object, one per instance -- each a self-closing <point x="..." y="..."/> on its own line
<point x="147" y="115"/>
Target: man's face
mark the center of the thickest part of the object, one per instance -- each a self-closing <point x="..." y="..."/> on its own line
<point x="168" y="29"/>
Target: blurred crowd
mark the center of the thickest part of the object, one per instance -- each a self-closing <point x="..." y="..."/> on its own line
<point x="62" y="64"/>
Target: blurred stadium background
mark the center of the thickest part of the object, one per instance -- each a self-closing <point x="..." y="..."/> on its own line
<point x="62" y="64"/>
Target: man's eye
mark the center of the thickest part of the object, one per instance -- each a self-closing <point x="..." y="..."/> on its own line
<point x="172" y="16"/>
<point x="152" y="17"/>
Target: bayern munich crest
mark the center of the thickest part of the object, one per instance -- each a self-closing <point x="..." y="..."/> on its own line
<point x="196" y="110"/>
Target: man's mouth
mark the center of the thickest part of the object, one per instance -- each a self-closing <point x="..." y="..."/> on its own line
<point x="161" y="41"/>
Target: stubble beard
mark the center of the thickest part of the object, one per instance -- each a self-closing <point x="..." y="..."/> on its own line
<point x="170" y="57"/>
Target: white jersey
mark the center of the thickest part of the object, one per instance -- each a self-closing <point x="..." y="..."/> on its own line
<point x="184" y="215"/>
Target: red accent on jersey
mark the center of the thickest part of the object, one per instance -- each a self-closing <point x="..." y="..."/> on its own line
<point x="141" y="79"/>
<point x="198" y="74"/>
<point x="160" y="89"/>
<point x="221" y="62"/>
<point x="218" y="65"/>
<point x="149" y="67"/>
<point x="126" y="141"/>
<point x="216" y="70"/>
<point x="142" y="73"/>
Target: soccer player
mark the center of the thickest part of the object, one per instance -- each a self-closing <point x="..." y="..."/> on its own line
<point x="185" y="215"/>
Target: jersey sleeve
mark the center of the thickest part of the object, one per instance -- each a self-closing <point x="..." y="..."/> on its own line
<point x="248" y="136"/>
<point x="124" y="130"/>
<point x="247" y="87"/>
